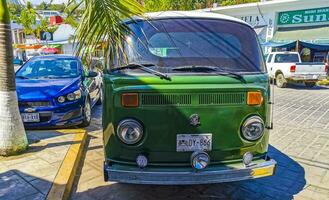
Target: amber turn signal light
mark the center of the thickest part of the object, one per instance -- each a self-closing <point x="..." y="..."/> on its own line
<point x="254" y="98"/>
<point x="129" y="100"/>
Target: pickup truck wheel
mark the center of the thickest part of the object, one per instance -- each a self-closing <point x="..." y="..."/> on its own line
<point x="281" y="82"/>
<point x="310" y="84"/>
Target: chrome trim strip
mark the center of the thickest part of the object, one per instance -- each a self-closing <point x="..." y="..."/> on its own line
<point x="152" y="176"/>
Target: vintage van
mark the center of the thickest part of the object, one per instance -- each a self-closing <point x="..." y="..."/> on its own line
<point x="188" y="104"/>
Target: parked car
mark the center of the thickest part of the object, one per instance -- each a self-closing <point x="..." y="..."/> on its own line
<point x="190" y="104"/>
<point x="287" y="67"/>
<point x="57" y="91"/>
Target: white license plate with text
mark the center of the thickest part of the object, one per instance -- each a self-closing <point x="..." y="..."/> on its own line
<point x="30" y="117"/>
<point x="193" y="142"/>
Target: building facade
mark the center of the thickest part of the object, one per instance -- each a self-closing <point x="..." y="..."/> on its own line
<point x="287" y="24"/>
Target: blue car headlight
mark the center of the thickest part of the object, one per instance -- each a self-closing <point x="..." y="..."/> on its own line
<point x="70" y="97"/>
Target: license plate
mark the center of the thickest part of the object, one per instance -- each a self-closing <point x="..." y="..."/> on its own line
<point x="312" y="77"/>
<point x="193" y="142"/>
<point x="30" y="117"/>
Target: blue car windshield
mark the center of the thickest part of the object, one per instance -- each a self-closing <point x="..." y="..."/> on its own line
<point x="171" y="43"/>
<point x="52" y="68"/>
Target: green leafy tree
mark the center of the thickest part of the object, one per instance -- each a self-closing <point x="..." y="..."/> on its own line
<point x="235" y="2"/>
<point x="57" y="7"/>
<point x="12" y="134"/>
<point x="72" y="13"/>
<point x="42" y="6"/>
<point x="14" y="10"/>
<point x="28" y="19"/>
<point x="101" y="24"/>
<point x="161" y="5"/>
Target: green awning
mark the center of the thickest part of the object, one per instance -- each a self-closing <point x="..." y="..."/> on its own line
<point x="306" y="34"/>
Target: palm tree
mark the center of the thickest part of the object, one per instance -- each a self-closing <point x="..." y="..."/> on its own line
<point x="101" y="24"/>
<point x="12" y="134"/>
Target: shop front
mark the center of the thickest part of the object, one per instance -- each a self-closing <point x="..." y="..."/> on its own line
<point x="305" y="31"/>
<point x="290" y="25"/>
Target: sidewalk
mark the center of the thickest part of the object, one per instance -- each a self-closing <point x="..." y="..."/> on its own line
<point x="31" y="175"/>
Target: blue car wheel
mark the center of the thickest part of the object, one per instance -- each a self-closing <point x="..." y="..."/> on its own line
<point x="86" y="114"/>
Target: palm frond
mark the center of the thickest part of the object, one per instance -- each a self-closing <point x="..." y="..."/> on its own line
<point x="102" y="24"/>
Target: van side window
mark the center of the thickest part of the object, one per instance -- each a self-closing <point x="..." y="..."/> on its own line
<point x="269" y="58"/>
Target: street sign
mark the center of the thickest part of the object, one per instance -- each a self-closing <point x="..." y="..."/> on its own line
<point x="46" y="36"/>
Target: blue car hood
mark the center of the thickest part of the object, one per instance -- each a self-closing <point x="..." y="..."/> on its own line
<point x="45" y="89"/>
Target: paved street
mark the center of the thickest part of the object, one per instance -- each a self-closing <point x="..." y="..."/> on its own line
<point x="299" y="142"/>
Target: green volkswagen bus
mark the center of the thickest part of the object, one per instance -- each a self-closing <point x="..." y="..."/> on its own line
<point x="187" y="102"/>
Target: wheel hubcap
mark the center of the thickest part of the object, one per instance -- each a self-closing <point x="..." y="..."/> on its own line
<point x="280" y="80"/>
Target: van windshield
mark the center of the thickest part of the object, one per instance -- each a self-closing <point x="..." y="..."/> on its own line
<point x="170" y="43"/>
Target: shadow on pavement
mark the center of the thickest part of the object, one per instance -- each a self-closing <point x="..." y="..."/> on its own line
<point x="15" y="185"/>
<point x="288" y="181"/>
<point x="299" y="86"/>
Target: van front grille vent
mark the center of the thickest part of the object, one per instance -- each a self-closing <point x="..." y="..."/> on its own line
<point x="166" y="99"/>
<point x="224" y="98"/>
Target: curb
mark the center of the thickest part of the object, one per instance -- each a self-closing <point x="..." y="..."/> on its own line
<point x="64" y="179"/>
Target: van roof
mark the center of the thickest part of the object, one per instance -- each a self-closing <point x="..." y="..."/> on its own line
<point x="189" y="14"/>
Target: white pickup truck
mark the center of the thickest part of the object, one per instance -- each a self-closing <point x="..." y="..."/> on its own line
<point x="285" y="67"/>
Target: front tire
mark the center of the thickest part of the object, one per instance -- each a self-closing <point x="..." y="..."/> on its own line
<point x="281" y="82"/>
<point x="310" y="84"/>
<point x="86" y="114"/>
<point x="106" y="175"/>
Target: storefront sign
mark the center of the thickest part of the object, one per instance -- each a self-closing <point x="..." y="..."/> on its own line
<point x="255" y="20"/>
<point x="304" y="16"/>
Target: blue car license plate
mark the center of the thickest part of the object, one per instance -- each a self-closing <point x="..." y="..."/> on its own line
<point x="30" y="117"/>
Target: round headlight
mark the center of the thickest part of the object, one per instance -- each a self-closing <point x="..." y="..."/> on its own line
<point x="253" y="128"/>
<point x="70" y="97"/>
<point x="130" y="131"/>
<point x="61" y="99"/>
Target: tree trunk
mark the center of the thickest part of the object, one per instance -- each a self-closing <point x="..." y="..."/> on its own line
<point x="12" y="134"/>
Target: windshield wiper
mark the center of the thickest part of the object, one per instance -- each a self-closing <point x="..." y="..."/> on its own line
<point x="144" y="67"/>
<point x="195" y="68"/>
<point x="231" y="74"/>
<point x="22" y="77"/>
<point x="210" y="69"/>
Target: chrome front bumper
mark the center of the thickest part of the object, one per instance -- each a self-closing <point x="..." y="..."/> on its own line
<point x="188" y="176"/>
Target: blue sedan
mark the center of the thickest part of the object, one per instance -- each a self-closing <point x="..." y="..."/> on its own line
<point x="57" y="91"/>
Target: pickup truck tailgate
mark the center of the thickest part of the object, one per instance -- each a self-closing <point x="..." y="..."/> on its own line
<point x="310" y="68"/>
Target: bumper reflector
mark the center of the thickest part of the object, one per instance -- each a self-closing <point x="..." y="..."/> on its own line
<point x="263" y="172"/>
